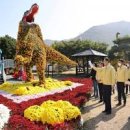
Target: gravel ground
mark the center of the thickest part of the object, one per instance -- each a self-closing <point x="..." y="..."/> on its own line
<point x="94" y="119"/>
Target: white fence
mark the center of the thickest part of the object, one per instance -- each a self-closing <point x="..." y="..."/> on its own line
<point x="8" y="63"/>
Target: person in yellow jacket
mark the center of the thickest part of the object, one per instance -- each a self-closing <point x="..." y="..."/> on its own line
<point x="99" y="80"/>
<point x="128" y="85"/>
<point x="121" y="77"/>
<point x="108" y="80"/>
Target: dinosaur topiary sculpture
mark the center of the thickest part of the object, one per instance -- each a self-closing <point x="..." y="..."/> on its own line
<point x="31" y="49"/>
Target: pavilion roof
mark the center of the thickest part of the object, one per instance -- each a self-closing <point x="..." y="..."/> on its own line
<point x="89" y="52"/>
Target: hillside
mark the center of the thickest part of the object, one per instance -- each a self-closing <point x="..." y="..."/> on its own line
<point x="103" y="33"/>
<point x="106" y="33"/>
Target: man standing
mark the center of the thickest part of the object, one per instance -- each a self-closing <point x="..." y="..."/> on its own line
<point x="127" y="85"/>
<point x="122" y="77"/>
<point x="108" y="80"/>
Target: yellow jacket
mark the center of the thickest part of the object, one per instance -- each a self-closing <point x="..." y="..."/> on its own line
<point x="122" y="74"/>
<point x="99" y="75"/>
<point x="108" y="74"/>
<point x="128" y="73"/>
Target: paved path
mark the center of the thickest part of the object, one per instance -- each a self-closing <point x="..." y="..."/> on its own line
<point x="94" y="119"/>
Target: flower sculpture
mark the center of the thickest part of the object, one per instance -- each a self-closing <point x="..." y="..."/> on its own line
<point x="4" y="115"/>
<point x="31" y="49"/>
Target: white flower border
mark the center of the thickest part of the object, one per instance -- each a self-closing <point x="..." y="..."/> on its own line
<point x="19" y="99"/>
<point x="4" y="115"/>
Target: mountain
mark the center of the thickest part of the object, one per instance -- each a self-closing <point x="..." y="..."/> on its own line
<point x="102" y="33"/>
<point x="106" y="33"/>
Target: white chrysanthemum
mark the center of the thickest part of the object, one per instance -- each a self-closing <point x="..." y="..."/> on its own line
<point x="4" y="115"/>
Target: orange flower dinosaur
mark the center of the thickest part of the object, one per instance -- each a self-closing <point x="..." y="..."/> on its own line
<point x="31" y="49"/>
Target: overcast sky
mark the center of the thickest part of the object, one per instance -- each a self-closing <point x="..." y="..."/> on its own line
<point x="63" y="19"/>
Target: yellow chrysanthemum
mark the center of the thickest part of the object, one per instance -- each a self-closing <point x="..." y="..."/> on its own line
<point x="5" y="84"/>
<point x="53" y="115"/>
<point x="29" y="89"/>
<point x="68" y="83"/>
<point x="63" y="104"/>
<point x="71" y="112"/>
<point x="19" y="58"/>
<point x="34" y="113"/>
<point x="52" y="112"/>
<point x="21" y="91"/>
<point x="48" y="104"/>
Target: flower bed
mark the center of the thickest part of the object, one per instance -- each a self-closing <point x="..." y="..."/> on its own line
<point x="32" y="88"/>
<point x="52" y="112"/>
<point x="4" y="115"/>
<point x="77" y="96"/>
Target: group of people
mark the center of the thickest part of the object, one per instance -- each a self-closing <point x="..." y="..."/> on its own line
<point x="105" y="78"/>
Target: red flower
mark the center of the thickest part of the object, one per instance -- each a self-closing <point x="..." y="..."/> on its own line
<point x="17" y="122"/>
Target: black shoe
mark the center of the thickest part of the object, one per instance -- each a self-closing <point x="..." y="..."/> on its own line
<point x="118" y="104"/>
<point x="100" y="101"/>
<point x="108" y="113"/>
<point x="104" y="111"/>
<point x="124" y="104"/>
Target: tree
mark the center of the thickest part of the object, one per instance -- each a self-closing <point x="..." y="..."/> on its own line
<point x="121" y="48"/>
<point x="7" y="45"/>
<point x="71" y="47"/>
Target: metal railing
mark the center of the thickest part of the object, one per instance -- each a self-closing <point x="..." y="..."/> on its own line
<point x="8" y="63"/>
<point x="2" y="71"/>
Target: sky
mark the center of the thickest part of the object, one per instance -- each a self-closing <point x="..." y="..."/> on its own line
<point x="63" y="19"/>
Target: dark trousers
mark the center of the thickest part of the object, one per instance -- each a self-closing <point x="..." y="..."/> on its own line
<point x="127" y="86"/>
<point x="121" y="93"/>
<point x="107" y="97"/>
<point x="95" y="85"/>
<point x="100" y="87"/>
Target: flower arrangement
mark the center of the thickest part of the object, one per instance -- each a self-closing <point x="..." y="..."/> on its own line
<point x="53" y="115"/>
<point x="31" y="50"/>
<point x="21" y="74"/>
<point x="68" y="83"/>
<point x="4" y="115"/>
<point x="18" y="122"/>
<point x="29" y="89"/>
<point x="19" y="58"/>
<point x="77" y="97"/>
<point x="48" y="104"/>
<point x="34" y="113"/>
<point x="70" y="111"/>
<point x="53" y="55"/>
<point x="52" y="112"/>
